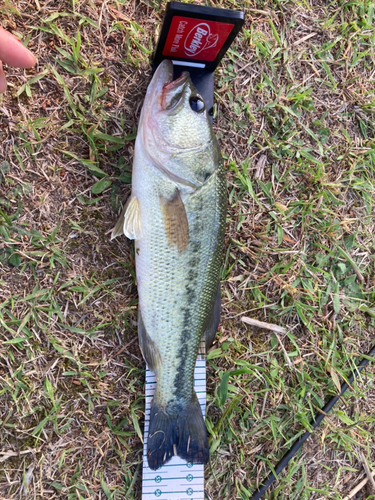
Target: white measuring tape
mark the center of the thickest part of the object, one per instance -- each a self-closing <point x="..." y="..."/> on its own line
<point x="176" y="480"/>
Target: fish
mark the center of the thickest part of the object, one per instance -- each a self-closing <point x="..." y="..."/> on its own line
<point x="176" y="214"/>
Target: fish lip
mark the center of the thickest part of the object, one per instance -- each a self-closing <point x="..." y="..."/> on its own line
<point x="162" y="77"/>
<point x="161" y="85"/>
<point x="177" y="82"/>
<point x="172" y="87"/>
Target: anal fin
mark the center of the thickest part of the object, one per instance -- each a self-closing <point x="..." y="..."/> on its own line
<point x="149" y="350"/>
<point x="213" y="321"/>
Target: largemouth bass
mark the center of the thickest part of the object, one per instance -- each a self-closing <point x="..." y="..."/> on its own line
<point x="176" y="215"/>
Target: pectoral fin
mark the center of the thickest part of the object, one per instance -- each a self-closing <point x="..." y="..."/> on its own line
<point x="129" y="222"/>
<point x="175" y="222"/>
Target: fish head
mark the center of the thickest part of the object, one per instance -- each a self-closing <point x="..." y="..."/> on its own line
<point x="174" y="123"/>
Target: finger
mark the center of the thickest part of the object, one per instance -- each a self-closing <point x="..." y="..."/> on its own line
<point x="12" y="51"/>
<point x="3" y="82"/>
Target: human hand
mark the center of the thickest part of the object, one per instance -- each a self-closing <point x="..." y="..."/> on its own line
<point x="12" y="52"/>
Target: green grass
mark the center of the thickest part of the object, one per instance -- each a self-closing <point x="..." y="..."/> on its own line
<point x="294" y="116"/>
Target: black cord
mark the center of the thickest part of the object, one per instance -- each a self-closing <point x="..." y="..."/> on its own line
<point x="318" y="418"/>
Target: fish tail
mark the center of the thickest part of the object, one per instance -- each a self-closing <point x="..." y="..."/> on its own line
<point x="179" y="432"/>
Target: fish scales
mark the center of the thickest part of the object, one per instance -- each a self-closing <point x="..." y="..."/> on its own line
<point x="173" y="295"/>
<point x="176" y="215"/>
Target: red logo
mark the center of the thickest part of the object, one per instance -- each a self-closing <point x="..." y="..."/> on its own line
<point x="198" y="39"/>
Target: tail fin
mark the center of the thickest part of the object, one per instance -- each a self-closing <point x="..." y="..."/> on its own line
<point x="181" y="433"/>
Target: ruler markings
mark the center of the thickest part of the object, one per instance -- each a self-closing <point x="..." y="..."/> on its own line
<point x="177" y="480"/>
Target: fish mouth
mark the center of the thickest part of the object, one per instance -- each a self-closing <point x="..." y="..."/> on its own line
<point x="173" y="92"/>
<point x="176" y="83"/>
<point x="163" y="90"/>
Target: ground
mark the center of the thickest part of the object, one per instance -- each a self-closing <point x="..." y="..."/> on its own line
<point x="294" y="116"/>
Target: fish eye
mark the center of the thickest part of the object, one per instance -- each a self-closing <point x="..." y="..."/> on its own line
<point x="196" y="104"/>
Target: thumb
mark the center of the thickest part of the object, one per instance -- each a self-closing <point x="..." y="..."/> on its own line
<point x="12" y="51"/>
